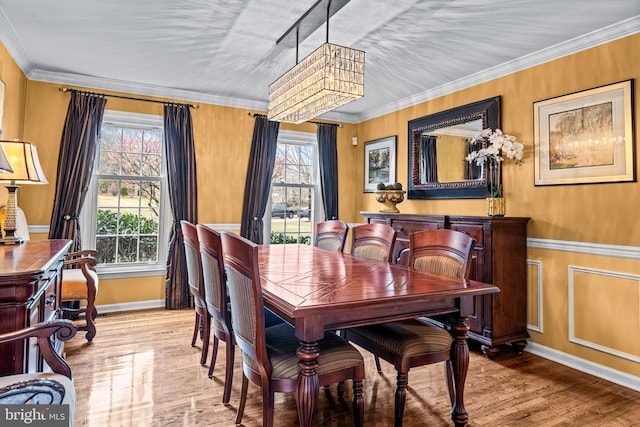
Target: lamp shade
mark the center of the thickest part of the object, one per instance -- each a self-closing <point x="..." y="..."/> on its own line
<point x="5" y="167"/>
<point x="23" y="158"/>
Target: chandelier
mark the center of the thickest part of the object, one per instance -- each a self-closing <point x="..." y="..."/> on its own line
<point x="328" y="78"/>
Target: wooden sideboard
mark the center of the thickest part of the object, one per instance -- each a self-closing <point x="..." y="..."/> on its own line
<point x="500" y="258"/>
<point x="30" y="280"/>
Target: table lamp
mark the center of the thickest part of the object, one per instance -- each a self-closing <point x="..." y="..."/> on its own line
<point x="23" y="161"/>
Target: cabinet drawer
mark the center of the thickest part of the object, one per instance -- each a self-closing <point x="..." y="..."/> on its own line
<point x="474" y="230"/>
<point x="405" y="228"/>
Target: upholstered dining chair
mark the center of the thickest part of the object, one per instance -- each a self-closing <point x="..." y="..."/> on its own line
<point x="79" y="279"/>
<point x="269" y="357"/>
<point x="417" y="342"/>
<point x="216" y="300"/>
<point x="41" y="388"/>
<point x="331" y="235"/>
<point x="373" y="241"/>
<point x="196" y="287"/>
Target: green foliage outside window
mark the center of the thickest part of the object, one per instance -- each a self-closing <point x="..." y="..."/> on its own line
<point x="137" y="240"/>
<point x="280" y="238"/>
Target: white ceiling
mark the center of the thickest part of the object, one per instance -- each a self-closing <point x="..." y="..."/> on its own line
<point x="221" y="51"/>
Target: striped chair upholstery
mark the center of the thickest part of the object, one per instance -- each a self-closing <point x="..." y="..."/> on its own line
<point x="269" y="355"/>
<point x="417" y="342"/>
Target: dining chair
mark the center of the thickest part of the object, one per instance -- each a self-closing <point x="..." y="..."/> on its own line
<point x="196" y="287"/>
<point x="269" y="355"/>
<point x="373" y="241"/>
<point x="331" y="235"/>
<point x="216" y="300"/>
<point x="417" y="342"/>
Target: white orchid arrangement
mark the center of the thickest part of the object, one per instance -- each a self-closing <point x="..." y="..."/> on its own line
<point x="500" y="144"/>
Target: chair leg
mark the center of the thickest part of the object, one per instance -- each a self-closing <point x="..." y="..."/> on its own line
<point x="205" y="338"/>
<point x="214" y="356"/>
<point x="358" y="404"/>
<point x="196" y="328"/>
<point x="267" y="406"/>
<point x="377" y="359"/>
<point x="401" y="397"/>
<point x="448" y="373"/>
<point x="228" y="378"/>
<point x="243" y="398"/>
<point x="91" y="326"/>
<point x="340" y="389"/>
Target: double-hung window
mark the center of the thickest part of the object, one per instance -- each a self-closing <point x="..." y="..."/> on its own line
<point x="125" y="216"/>
<point x="295" y="198"/>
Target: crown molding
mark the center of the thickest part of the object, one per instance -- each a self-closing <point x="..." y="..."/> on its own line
<point x="604" y="35"/>
<point x="586" y="41"/>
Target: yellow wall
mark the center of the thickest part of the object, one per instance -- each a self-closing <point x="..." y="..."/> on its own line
<point x="606" y="306"/>
<point x="593" y="214"/>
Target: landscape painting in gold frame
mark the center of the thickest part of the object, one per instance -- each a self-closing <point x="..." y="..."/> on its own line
<point x="585" y="137"/>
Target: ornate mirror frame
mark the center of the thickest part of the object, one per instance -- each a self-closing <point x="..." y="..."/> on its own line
<point x="489" y="111"/>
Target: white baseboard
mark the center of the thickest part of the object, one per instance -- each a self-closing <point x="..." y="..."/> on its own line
<point x="130" y="306"/>
<point x="591" y="368"/>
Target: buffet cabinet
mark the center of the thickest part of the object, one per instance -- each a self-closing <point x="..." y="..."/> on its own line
<point x="30" y="281"/>
<point x="500" y="258"/>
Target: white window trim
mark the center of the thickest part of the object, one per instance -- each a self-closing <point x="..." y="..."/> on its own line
<point x="88" y="215"/>
<point x="299" y="138"/>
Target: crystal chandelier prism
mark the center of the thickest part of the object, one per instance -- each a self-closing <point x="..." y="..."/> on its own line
<point x="328" y="78"/>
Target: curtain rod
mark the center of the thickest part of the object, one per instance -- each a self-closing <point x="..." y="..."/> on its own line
<point x="66" y="89"/>
<point x="309" y="121"/>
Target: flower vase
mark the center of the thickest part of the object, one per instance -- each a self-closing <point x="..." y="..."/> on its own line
<point x="495" y="201"/>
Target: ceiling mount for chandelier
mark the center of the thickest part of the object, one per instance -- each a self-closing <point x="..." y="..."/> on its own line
<point x="331" y="76"/>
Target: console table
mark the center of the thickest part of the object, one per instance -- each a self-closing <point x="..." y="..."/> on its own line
<point x="500" y="258"/>
<point x="30" y="280"/>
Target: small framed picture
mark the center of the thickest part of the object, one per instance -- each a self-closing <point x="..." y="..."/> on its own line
<point x="379" y="163"/>
<point x="585" y="137"/>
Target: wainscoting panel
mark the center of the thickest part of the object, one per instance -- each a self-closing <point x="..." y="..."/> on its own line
<point x="604" y="311"/>
<point x="534" y="296"/>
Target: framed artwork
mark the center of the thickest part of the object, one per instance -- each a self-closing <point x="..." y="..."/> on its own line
<point x="379" y="163"/>
<point x="585" y="137"/>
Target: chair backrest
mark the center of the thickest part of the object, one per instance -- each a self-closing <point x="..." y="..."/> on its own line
<point x="215" y="283"/>
<point x="331" y="235"/>
<point x="245" y="296"/>
<point x="373" y="241"/>
<point x="441" y="251"/>
<point x="194" y="264"/>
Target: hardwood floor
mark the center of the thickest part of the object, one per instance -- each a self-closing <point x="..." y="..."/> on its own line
<point x="140" y="370"/>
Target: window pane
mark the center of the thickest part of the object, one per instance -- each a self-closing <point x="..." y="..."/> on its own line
<point x="106" y="248"/>
<point x="127" y="249"/>
<point x="149" y="248"/>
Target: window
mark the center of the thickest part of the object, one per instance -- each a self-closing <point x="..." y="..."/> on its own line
<point x="125" y="215"/>
<point x="294" y="189"/>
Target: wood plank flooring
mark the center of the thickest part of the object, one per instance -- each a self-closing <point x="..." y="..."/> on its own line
<point x="141" y="370"/>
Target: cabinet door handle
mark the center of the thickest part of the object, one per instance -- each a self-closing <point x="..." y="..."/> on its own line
<point x="51" y="300"/>
<point x="399" y="228"/>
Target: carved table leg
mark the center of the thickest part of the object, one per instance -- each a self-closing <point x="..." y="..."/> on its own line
<point x="460" y="365"/>
<point x="308" y="353"/>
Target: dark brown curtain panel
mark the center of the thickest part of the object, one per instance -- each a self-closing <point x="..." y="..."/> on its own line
<point x="183" y="198"/>
<point x="328" y="153"/>
<point x="75" y="164"/>
<point x="259" y="171"/>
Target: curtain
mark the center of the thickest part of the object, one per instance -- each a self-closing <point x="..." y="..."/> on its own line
<point x="328" y="153"/>
<point x="256" y="190"/>
<point x="429" y="159"/>
<point x="75" y="164"/>
<point x="183" y="198"/>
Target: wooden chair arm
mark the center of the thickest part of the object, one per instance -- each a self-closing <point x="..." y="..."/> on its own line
<point x="62" y="329"/>
<point x="82" y="262"/>
<point x="91" y="253"/>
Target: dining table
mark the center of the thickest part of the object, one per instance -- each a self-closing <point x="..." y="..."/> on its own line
<point x="317" y="290"/>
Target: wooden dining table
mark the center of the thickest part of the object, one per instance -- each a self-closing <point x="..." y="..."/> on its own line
<point x="317" y="290"/>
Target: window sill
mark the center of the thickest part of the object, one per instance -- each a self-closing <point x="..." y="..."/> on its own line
<point x="122" y="272"/>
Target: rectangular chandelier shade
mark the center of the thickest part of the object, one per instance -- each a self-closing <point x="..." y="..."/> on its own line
<point x="331" y="76"/>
